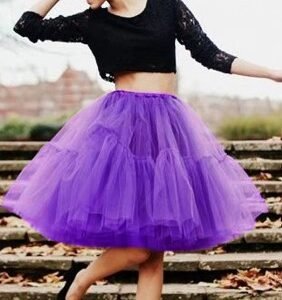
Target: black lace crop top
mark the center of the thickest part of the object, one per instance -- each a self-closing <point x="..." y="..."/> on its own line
<point x="144" y="42"/>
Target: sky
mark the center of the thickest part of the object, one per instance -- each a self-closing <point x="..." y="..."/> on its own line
<point x="249" y="29"/>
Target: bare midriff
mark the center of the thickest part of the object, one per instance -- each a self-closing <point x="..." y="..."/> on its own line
<point x="146" y="81"/>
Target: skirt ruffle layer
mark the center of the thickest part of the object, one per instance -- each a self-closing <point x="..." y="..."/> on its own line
<point x="136" y="169"/>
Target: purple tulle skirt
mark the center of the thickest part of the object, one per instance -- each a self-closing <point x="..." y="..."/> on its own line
<point x="136" y="169"/>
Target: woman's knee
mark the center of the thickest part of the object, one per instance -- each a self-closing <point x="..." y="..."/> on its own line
<point x="138" y="255"/>
<point x="155" y="260"/>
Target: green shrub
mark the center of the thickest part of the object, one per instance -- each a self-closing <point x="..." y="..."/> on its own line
<point x="15" y="128"/>
<point x="44" y="132"/>
<point x="251" y="127"/>
<point x="18" y="128"/>
<point x="49" y="126"/>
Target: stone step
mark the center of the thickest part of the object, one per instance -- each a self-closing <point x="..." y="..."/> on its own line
<point x="274" y="208"/>
<point x="21" y="145"/>
<point x="28" y="234"/>
<point x="252" y="146"/>
<point x="265" y="186"/>
<point x="250" y="164"/>
<point x="179" y="262"/>
<point x="12" y="165"/>
<point x="170" y="291"/>
<point x="255" y="164"/>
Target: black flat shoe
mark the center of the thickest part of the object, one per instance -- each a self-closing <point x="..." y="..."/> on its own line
<point x="69" y="277"/>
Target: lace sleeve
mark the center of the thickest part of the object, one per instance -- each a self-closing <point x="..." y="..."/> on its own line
<point x="190" y="34"/>
<point x="65" y="29"/>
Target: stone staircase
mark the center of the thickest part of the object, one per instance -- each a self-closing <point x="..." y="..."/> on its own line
<point x="250" y="267"/>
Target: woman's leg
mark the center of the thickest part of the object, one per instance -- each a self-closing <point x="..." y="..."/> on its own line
<point x="109" y="262"/>
<point x="150" y="280"/>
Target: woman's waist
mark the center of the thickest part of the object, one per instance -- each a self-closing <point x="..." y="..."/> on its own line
<point x="146" y="81"/>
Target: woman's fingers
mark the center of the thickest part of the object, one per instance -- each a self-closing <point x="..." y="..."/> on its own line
<point x="277" y="75"/>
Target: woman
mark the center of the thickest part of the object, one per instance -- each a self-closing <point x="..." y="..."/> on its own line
<point x="137" y="171"/>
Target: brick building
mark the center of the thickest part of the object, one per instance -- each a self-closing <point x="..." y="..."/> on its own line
<point x="70" y="92"/>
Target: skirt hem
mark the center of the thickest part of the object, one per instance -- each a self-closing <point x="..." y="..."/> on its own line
<point x="133" y="240"/>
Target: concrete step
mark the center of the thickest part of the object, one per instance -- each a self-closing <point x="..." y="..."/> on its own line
<point x="250" y="164"/>
<point x="21" y="145"/>
<point x="253" y="146"/>
<point x="265" y="186"/>
<point x="170" y="291"/>
<point x="260" y="164"/>
<point x="179" y="262"/>
<point x="12" y="165"/>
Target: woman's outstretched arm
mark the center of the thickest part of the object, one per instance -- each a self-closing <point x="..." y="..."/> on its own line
<point x="33" y="24"/>
<point x="246" y="68"/>
<point x="190" y="34"/>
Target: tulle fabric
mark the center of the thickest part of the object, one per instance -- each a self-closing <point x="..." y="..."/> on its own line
<point x="136" y="169"/>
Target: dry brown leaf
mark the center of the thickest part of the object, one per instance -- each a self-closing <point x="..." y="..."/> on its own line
<point x="253" y="279"/>
<point x="101" y="282"/>
<point x="217" y="250"/>
<point x="275" y="139"/>
<point x="263" y="176"/>
<point x="51" y="278"/>
<point x="30" y="283"/>
<point x="6" y="278"/>
<point x="44" y="250"/>
<point x="169" y="253"/>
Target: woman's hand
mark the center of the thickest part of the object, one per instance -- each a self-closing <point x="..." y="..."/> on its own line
<point x="276" y="75"/>
<point x="94" y="4"/>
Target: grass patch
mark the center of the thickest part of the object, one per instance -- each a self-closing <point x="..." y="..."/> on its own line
<point x="251" y="127"/>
